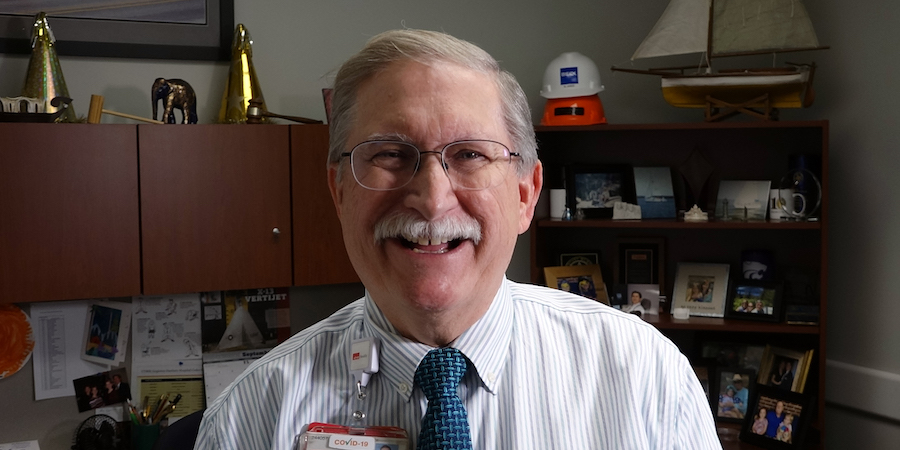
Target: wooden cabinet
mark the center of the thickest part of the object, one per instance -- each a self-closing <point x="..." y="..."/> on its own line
<point x="119" y="210"/>
<point x="69" y="221"/>
<point x="215" y="207"/>
<point x="319" y="254"/>
<point x="736" y="151"/>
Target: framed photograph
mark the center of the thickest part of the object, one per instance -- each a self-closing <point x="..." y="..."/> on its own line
<point x="579" y="258"/>
<point x="785" y="369"/>
<point x="595" y="189"/>
<point x="742" y="200"/>
<point x="186" y="30"/>
<point x="640" y="261"/>
<point x="654" y="192"/>
<point x="642" y="299"/>
<point x="778" y="420"/>
<point x="755" y="300"/>
<point x="584" y="280"/>
<point x="703" y="375"/>
<point x="106" y="332"/>
<point x="733" y="389"/>
<point x="701" y="288"/>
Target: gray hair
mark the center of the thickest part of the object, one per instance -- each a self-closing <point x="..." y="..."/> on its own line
<point x="428" y="47"/>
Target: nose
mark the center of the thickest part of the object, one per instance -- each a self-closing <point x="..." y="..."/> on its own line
<point x="430" y="191"/>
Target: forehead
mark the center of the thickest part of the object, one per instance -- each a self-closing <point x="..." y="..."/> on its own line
<point x="430" y="104"/>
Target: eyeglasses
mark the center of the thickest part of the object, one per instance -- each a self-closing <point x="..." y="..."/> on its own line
<point x="389" y="165"/>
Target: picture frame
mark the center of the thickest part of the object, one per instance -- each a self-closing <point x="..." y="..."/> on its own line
<point x="207" y="38"/>
<point x="730" y="393"/>
<point x="647" y="298"/>
<point x="640" y="261"/>
<point x="785" y="369"/>
<point x="755" y="300"/>
<point x="701" y="288"/>
<point x="654" y="192"/>
<point x="703" y="376"/>
<point x="584" y="280"/>
<point x="579" y="258"/>
<point x="594" y="189"/>
<point x="105" y="338"/>
<point x="742" y="200"/>
<point x="768" y="428"/>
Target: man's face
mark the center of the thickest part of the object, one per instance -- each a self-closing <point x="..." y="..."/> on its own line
<point x="738" y="385"/>
<point x="635" y="297"/>
<point x="431" y="107"/>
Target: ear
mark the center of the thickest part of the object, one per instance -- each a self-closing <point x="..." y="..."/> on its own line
<point x="529" y="190"/>
<point x="337" y="191"/>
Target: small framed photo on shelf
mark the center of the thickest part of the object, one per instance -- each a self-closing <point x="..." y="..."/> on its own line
<point x="642" y="299"/>
<point x="579" y="258"/>
<point x="777" y="419"/>
<point x="785" y="369"/>
<point x="755" y="300"/>
<point x="733" y="390"/>
<point x="701" y="288"/>
<point x="596" y="188"/>
<point x="742" y="200"/>
<point x="640" y="261"/>
<point x="654" y="192"/>
<point x="583" y="280"/>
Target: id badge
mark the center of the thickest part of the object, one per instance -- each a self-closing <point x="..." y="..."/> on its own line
<point x="325" y="436"/>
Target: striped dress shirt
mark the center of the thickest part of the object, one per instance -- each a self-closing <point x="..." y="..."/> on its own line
<point x="549" y="370"/>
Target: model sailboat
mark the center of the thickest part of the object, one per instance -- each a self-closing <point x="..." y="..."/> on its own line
<point x="720" y="28"/>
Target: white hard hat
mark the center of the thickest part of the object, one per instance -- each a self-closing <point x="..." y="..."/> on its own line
<point x="571" y="75"/>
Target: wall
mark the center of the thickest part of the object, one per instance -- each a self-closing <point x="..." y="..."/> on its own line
<point x="298" y="45"/>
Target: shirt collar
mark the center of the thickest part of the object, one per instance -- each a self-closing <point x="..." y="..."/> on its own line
<point x="485" y="344"/>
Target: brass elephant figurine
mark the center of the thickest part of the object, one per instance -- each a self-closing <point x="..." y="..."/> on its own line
<point x="176" y="94"/>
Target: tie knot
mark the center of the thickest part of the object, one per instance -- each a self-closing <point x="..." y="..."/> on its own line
<point x="439" y="372"/>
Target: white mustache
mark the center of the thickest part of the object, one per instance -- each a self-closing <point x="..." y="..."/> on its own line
<point x="414" y="229"/>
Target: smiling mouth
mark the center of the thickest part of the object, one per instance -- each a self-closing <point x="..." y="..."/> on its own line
<point x="430" y="246"/>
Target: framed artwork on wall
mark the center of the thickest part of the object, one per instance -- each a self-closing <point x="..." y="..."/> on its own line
<point x="186" y="30"/>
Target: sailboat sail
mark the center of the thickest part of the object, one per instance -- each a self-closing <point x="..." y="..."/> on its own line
<point x="682" y="29"/>
<point x="757" y="25"/>
<point x="739" y="26"/>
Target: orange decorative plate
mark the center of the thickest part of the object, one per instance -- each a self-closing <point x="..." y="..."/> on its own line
<point x="16" y="339"/>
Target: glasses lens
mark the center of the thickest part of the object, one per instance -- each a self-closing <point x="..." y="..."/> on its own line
<point x="476" y="164"/>
<point x="384" y="165"/>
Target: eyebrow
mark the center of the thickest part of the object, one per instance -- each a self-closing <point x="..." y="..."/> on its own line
<point x="389" y="137"/>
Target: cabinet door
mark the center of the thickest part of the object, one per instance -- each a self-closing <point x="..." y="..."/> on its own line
<point x="215" y="207"/>
<point x="68" y="212"/>
<point x="319" y="253"/>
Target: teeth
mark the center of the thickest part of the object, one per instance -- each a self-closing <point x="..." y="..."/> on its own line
<point x="428" y="241"/>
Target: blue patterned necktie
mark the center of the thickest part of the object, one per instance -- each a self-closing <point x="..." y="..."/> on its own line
<point x="446" y="424"/>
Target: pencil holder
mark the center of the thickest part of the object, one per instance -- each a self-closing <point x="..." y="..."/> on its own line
<point x="143" y="437"/>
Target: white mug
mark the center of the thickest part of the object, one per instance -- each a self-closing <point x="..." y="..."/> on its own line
<point x="783" y="204"/>
<point x="557" y="203"/>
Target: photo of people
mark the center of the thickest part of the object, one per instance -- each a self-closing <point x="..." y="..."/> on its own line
<point x="783" y="373"/>
<point x="642" y="299"/>
<point x="582" y="285"/>
<point x="775" y="419"/>
<point x="103" y="389"/>
<point x="754" y="300"/>
<point x="700" y="288"/>
<point x="597" y="190"/>
<point x="734" y="394"/>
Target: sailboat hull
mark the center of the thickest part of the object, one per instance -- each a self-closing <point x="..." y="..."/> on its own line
<point x="785" y="90"/>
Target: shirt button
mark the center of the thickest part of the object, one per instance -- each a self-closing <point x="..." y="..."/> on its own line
<point x="404" y="388"/>
<point x="492" y="377"/>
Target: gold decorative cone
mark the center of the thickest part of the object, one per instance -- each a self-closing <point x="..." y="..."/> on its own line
<point x="44" y="79"/>
<point x="242" y="84"/>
